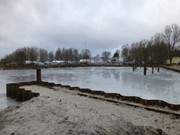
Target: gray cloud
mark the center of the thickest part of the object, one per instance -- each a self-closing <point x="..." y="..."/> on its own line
<point x="98" y="25"/>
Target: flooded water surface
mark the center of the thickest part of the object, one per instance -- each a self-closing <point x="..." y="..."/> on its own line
<point x="164" y="85"/>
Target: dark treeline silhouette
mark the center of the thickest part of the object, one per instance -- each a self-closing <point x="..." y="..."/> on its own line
<point x="154" y="52"/>
<point x="21" y="55"/>
<point x="67" y="54"/>
<point x="106" y="56"/>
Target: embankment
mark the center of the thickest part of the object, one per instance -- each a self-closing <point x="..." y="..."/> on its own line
<point x="14" y="91"/>
<point x="62" y="109"/>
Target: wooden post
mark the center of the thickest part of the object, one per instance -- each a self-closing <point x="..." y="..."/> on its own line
<point x="38" y="75"/>
<point x="158" y="69"/>
<point x="152" y="69"/>
<point x="145" y="70"/>
<point x="133" y="68"/>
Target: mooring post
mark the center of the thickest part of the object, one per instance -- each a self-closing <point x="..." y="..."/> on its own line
<point x="38" y="75"/>
<point x="158" y="69"/>
<point x="145" y="70"/>
<point x="152" y="69"/>
<point x="133" y="68"/>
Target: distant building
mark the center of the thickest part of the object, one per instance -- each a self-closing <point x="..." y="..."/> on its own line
<point x="97" y="60"/>
<point x="47" y="62"/>
<point x="74" y="62"/>
<point x="40" y="64"/>
<point x="116" y="60"/>
<point x="28" y="62"/>
<point x="85" y="61"/>
<point x="32" y="62"/>
<point x="56" y="62"/>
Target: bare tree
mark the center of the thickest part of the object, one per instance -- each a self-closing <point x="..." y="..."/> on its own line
<point x="171" y="37"/>
<point x="85" y="54"/>
<point x="64" y="55"/>
<point x="105" y="56"/>
<point x="50" y="56"/>
<point x="69" y="54"/>
<point x="75" y="55"/>
<point x="32" y="54"/>
<point x="125" y="53"/>
<point x="58" y="54"/>
<point x="43" y="55"/>
<point x="20" y="56"/>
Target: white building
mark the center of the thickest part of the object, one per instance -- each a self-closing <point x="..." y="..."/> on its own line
<point x="85" y="61"/>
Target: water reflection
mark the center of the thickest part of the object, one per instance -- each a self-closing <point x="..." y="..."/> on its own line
<point x="10" y="76"/>
<point x="164" y="85"/>
<point x="4" y="101"/>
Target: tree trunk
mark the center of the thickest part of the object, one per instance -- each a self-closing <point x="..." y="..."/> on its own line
<point x="170" y="60"/>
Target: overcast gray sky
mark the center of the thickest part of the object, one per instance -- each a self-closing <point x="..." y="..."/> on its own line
<point x="94" y="24"/>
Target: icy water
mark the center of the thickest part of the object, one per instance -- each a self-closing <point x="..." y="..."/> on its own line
<point x="164" y="85"/>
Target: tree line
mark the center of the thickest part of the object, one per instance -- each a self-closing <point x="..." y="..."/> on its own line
<point x="160" y="48"/>
<point x="154" y="52"/>
<point x="21" y="55"/>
